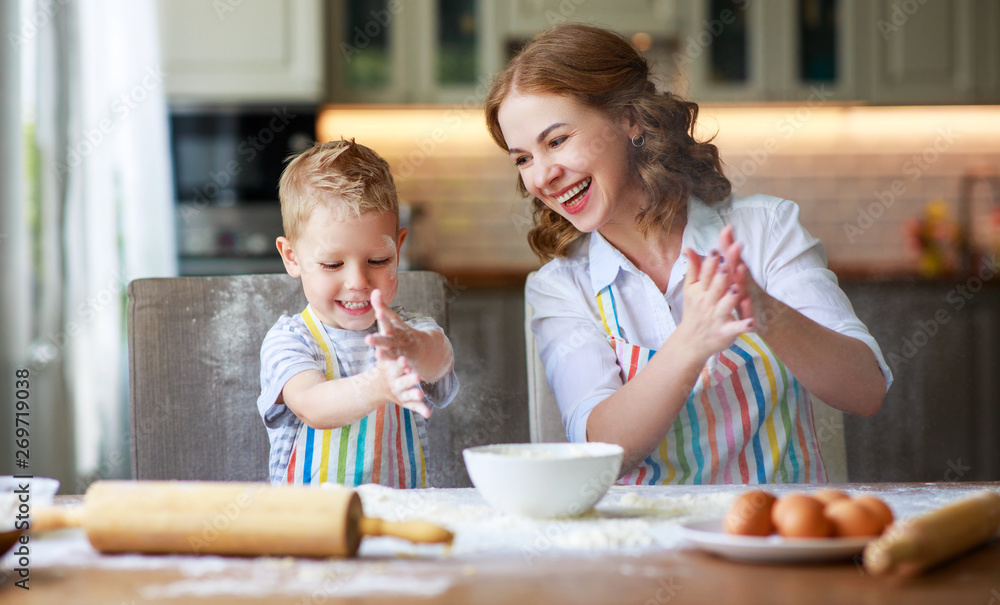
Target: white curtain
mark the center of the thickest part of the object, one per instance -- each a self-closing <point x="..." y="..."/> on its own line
<point x="14" y="274"/>
<point x="106" y="209"/>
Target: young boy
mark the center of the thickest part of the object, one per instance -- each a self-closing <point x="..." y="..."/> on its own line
<point x="342" y="382"/>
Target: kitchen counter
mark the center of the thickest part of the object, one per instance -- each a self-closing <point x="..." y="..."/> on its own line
<point x="629" y="550"/>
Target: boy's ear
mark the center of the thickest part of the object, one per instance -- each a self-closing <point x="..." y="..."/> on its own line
<point x="399" y="241"/>
<point x="288" y="256"/>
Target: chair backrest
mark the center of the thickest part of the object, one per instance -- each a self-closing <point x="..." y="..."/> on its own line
<point x="544" y="420"/>
<point x="194" y="369"/>
<point x="546" y="425"/>
<point x="829" y="423"/>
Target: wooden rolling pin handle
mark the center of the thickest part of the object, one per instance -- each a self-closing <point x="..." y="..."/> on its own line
<point x="414" y="531"/>
<point x="51" y="518"/>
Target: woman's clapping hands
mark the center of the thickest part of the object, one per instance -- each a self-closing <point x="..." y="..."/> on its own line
<point x="718" y="296"/>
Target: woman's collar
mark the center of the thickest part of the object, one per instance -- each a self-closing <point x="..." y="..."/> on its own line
<point x="701" y="234"/>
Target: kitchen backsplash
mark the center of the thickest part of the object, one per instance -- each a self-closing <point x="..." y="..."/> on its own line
<point x="859" y="204"/>
<point x="859" y="175"/>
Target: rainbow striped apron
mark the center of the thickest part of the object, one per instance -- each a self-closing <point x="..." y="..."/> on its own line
<point x="383" y="447"/>
<point x="747" y="420"/>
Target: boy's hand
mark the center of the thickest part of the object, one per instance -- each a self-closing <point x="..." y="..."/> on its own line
<point x="428" y="353"/>
<point x="394" y="336"/>
<point x="402" y="384"/>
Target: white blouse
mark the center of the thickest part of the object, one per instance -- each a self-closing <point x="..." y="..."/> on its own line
<point x="581" y="368"/>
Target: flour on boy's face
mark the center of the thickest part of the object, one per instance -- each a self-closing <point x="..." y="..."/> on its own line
<point x="342" y="259"/>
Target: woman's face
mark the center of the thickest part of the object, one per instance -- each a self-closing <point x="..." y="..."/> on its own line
<point x="573" y="158"/>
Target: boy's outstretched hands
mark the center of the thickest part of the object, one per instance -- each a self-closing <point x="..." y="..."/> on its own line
<point x="392" y="343"/>
<point x="407" y="355"/>
<point x="402" y="383"/>
<point x="394" y="336"/>
<point x="428" y="352"/>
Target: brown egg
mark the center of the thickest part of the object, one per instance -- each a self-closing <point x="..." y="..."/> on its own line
<point x="878" y="508"/>
<point x="827" y="496"/>
<point x="849" y="518"/>
<point x="750" y="515"/>
<point x="800" y="516"/>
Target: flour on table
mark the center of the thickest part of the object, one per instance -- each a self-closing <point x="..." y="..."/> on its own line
<point x="315" y="578"/>
<point x="622" y="521"/>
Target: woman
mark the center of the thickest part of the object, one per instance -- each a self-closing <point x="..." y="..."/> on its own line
<point x="639" y="226"/>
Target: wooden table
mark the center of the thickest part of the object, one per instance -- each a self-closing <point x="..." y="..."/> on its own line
<point x="526" y="562"/>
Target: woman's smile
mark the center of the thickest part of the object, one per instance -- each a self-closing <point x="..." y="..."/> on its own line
<point x="575" y="197"/>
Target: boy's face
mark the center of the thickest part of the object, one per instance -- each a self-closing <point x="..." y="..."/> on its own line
<point x="341" y="258"/>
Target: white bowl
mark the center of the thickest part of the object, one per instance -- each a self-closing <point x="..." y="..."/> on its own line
<point x="543" y="480"/>
<point x="40" y="492"/>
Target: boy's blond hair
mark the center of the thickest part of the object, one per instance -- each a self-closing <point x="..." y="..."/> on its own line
<point x="338" y="172"/>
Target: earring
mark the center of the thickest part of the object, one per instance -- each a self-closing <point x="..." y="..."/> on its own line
<point x="638" y="140"/>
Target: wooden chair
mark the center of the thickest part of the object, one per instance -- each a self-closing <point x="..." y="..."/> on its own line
<point x="194" y="371"/>
<point x="546" y="424"/>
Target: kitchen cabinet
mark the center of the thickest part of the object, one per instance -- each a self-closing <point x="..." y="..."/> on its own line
<point x="987" y="53"/>
<point x="940" y="417"/>
<point x="814" y="51"/>
<point x="238" y="51"/>
<point x="924" y="51"/>
<point x="389" y="51"/>
<point x="769" y="50"/>
<point x="446" y="51"/>
<point x="524" y="18"/>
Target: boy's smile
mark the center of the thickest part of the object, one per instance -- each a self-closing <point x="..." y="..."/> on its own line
<point x="341" y="259"/>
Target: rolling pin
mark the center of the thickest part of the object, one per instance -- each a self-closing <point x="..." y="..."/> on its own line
<point x="908" y="547"/>
<point x="223" y="518"/>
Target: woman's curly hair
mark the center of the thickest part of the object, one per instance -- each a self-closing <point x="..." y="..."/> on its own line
<point x="600" y="69"/>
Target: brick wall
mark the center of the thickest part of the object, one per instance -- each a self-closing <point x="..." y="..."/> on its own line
<point x="858" y="173"/>
<point x="858" y="203"/>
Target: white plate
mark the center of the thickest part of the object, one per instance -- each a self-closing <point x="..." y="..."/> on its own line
<point x="708" y="535"/>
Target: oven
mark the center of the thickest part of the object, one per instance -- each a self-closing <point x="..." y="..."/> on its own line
<point x="227" y="161"/>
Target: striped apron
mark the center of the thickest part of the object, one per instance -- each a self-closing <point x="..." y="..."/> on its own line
<point x="383" y="447"/>
<point x="747" y="420"/>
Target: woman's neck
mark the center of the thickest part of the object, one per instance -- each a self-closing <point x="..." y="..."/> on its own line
<point x="654" y="254"/>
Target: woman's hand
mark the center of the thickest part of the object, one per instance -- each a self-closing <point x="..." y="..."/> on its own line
<point x="752" y="298"/>
<point x="840" y="370"/>
<point x="710" y="298"/>
<point x="638" y="414"/>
